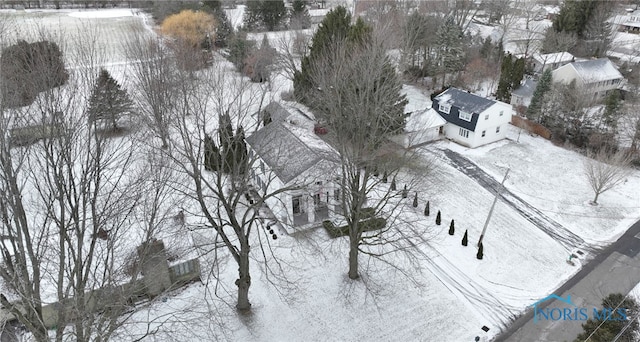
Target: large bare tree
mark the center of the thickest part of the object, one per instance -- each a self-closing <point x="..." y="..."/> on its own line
<point x="358" y="98"/>
<point x="66" y="204"/>
<point x="606" y="170"/>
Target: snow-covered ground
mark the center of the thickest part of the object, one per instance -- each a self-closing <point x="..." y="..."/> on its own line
<point x="448" y="296"/>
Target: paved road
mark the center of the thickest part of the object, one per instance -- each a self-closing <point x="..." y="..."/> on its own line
<point x="614" y="270"/>
<point x="549" y="226"/>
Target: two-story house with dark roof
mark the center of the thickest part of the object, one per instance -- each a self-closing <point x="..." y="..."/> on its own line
<point x="472" y="120"/>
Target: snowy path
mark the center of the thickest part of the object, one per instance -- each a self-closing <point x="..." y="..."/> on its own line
<point x="549" y="226"/>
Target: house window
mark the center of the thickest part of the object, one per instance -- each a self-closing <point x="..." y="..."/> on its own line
<point x="318" y="183"/>
<point x="316" y="200"/>
<point x="501" y="112"/>
<point x="465" y="116"/>
<point x="443" y="107"/>
<point x="336" y="194"/>
<point x="464" y="133"/>
<point x="486" y="117"/>
<point x="297" y="208"/>
<point x="484" y="133"/>
<point x="261" y="166"/>
<point x="498" y="129"/>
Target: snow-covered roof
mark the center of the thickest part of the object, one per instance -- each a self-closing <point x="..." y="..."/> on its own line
<point x="423" y="119"/>
<point x="526" y="89"/>
<point x="464" y="100"/>
<point x="290" y="148"/>
<point x="552" y="58"/>
<point x="596" y="70"/>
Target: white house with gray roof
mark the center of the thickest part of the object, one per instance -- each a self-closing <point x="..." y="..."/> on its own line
<point x="290" y="155"/>
<point x="551" y="61"/>
<point x="472" y="120"/>
<point x="595" y="77"/>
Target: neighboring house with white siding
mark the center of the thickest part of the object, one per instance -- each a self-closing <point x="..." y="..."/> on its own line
<point x="551" y="61"/>
<point x="472" y="120"/>
<point x="291" y="156"/>
<point x="595" y="77"/>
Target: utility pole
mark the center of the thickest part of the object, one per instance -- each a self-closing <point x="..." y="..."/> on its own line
<point x="486" y="223"/>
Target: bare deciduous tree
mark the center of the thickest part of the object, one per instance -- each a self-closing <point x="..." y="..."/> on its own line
<point x="358" y="99"/>
<point x="605" y="170"/>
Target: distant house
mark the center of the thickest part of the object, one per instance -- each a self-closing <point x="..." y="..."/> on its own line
<point x="290" y="155"/>
<point x="522" y="95"/>
<point x="542" y="62"/>
<point x="472" y="120"/>
<point x="595" y="77"/>
<point x="631" y="23"/>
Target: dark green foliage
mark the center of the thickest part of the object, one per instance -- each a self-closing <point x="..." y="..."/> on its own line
<point x="438" y="218"/>
<point x="480" y="254"/>
<point x="240" y="49"/>
<point x="211" y="154"/>
<point x="415" y="200"/>
<point x="405" y="193"/>
<point x="544" y="84"/>
<point x="333" y="28"/>
<point x="465" y="238"/>
<point x="224" y="30"/>
<point x="26" y="69"/>
<point x="426" y="209"/>
<point x="511" y="74"/>
<point x="163" y="9"/>
<point x="239" y="150"/>
<point x="606" y="331"/>
<point x="452" y="229"/>
<point x="450" y="48"/>
<point x="299" y="18"/>
<point x="385" y="177"/>
<point x="370" y="224"/>
<point x="108" y="100"/>
<point x="393" y="184"/>
<point x="225" y="135"/>
<point x="574" y="16"/>
<point x="267" y="14"/>
<point x="612" y="110"/>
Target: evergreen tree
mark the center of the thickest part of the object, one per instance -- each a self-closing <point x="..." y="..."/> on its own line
<point x="225" y="132"/>
<point x="333" y="28"/>
<point x="241" y="159"/>
<point x="426" y="209"/>
<point x="405" y="193"/>
<point x="480" y="254"/>
<point x="108" y="102"/>
<point x="252" y="18"/>
<point x="487" y="48"/>
<point x="544" y="84"/>
<point x="299" y="18"/>
<point x="611" y="110"/>
<point x="211" y="154"/>
<point x="385" y="176"/>
<point x="506" y="78"/>
<point x="415" y="200"/>
<point x="450" y="48"/>
<point x="224" y="30"/>
<point x="597" y="330"/>
<point x="465" y="238"/>
<point x="239" y="50"/>
<point x="272" y="13"/>
<point x="517" y="74"/>
<point x="393" y="184"/>
<point x="452" y="229"/>
<point x="438" y="218"/>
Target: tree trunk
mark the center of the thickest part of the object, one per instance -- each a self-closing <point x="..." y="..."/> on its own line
<point x="595" y="200"/>
<point x="244" y="279"/>
<point x="353" y="258"/>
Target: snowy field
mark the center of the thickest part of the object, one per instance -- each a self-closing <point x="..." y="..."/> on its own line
<point x="448" y="297"/>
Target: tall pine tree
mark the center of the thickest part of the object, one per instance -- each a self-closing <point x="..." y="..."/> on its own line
<point x="544" y="84"/>
<point x="449" y="42"/>
<point x="299" y="17"/>
<point x="108" y="102"/>
<point x="272" y="13"/>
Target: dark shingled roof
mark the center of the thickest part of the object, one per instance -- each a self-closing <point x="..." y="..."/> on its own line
<point x="461" y="100"/>
<point x="287" y="154"/>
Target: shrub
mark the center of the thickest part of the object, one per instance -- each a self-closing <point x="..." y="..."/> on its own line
<point x="405" y="193"/>
<point x="465" y="239"/>
<point x="415" y="200"/>
<point x="438" y="218"/>
<point x="375" y="223"/>
<point x="393" y="184"/>
<point x="480" y="251"/>
<point x="194" y="28"/>
<point x="384" y="177"/>
<point x="426" y="209"/>
<point x="452" y="229"/>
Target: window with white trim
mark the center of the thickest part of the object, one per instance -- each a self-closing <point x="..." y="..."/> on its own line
<point x="464" y="133"/>
<point x="465" y="116"/>
<point x="501" y="112"/>
<point x="486" y="116"/>
<point x="498" y="129"/>
<point x="484" y="133"/>
<point x="443" y="107"/>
